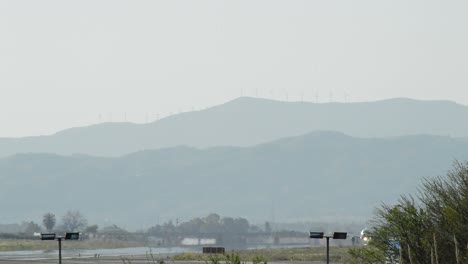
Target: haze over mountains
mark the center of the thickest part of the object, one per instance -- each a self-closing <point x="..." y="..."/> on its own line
<point x="249" y="121"/>
<point x="315" y="176"/>
<point x="255" y="158"/>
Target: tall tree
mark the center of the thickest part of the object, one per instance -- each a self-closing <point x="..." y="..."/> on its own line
<point x="74" y="221"/>
<point x="446" y="201"/>
<point x="48" y="220"/>
<point x="405" y="227"/>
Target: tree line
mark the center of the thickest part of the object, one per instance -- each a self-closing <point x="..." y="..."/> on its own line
<point x="69" y="222"/>
<point x="211" y="224"/>
<point x="226" y="230"/>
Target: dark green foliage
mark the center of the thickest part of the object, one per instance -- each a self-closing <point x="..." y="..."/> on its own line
<point x="259" y="260"/>
<point x="435" y="226"/>
<point x="233" y="258"/>
<point x="367" y="255"/>
<point x="213" y="259"/>
<point x="446" y="201"/>
<point x="407" y="223"/>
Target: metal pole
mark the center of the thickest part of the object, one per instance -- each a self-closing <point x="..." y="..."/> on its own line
<point x="328" y="250"/>
<point x="60" y="250"/>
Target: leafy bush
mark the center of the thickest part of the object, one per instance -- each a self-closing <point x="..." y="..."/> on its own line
<point x="366" y="255"/>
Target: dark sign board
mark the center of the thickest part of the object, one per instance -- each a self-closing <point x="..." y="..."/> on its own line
<point x="47" y="236"/>
<point x="72" y="236"/>
<point x="213" y="250"/>
<point x="316" y="234"/>
<point x="340" y="235"/>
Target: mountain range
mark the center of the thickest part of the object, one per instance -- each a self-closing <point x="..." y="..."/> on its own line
<point x="251" y="121"/>
<point x="315" y="176"/>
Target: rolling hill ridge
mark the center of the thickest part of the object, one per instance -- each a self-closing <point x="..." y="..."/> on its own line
<point x="250" y="121"/>
<point x="317" y="175"/>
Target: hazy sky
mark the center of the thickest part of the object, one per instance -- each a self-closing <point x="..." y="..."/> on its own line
<point x="75" y="63"/>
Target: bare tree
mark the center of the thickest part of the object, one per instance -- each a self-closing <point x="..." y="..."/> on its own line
<point x="74" y="221"/>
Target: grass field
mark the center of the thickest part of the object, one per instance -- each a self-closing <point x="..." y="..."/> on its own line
<point x="337" y="254"/>
<point x="278" y="254"/>
<point x="15" y="244"/>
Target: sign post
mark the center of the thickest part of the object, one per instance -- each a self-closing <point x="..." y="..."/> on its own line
<point x="320" y="235"/>
<point x="52" y="236"/>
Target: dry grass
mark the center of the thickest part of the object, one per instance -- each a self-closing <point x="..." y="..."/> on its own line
<point x="14" y="245"/>
<point x="278" y="254"/>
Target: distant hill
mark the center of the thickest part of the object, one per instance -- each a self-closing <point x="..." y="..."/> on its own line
<point x="314" y="176"/>
<point x="249" y="121"/>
